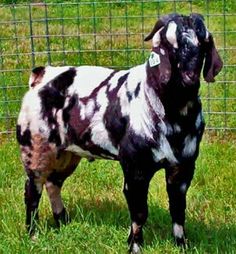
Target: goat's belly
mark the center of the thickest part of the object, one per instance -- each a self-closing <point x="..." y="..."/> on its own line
<point x="91" y="152"/>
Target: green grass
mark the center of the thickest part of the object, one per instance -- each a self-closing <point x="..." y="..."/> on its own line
<point x="107" y="34"/>
<point x="100" y="219"/>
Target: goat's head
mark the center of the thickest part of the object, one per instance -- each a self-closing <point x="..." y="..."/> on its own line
<point x="186" y="42"/>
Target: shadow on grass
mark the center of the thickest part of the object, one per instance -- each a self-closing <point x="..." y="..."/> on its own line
<point x="207" y="238"/>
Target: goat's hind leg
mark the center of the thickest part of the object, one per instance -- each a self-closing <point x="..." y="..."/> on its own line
<point x="33" y="192"/>
<point x="54" y="184"/>
<point x="54" y="193"/>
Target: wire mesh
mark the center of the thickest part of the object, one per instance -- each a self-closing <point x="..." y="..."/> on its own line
<point x="107" y="33"/>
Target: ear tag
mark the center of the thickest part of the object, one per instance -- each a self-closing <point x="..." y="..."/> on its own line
<point x="154" y="59"/>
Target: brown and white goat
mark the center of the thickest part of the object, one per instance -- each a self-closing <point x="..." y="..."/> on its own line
<point x="148" y="117"/>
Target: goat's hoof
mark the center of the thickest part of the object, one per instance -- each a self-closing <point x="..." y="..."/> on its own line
<point x="61" y="218"/>
<point x="181" y="242"/>
<point x="34" y="237"/>
<point x="32" y="233"/>
<point x="135" y="249"/>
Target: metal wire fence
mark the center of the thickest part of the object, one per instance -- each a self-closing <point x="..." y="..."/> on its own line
<point x="108" y="33"/>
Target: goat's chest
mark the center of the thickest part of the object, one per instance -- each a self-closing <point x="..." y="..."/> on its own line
<point x="185" y="135"/>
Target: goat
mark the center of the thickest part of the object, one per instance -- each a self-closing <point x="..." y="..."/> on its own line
<point x="148" y="117"/>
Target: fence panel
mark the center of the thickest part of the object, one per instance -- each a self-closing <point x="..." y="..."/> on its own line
<point x="108" y="33"/>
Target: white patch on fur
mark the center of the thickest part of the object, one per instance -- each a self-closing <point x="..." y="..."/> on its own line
<point x="61" y="127"/>
<point x="140" y="123"/>
<point x="135" y="227"/>
<point x="102" y="99"/>
<point x="191" y="36"/>
<point x="49" y="74"/>
<point x="190" y="145"/>
<point x="99" y="133"/>
<point x="162" y="51"/>
<point x="114" y="80"/>
<point x="136" y="74"/>
<point x="82" y="110"/>
<point x="184" y="110"/>
<point x="30" y="114"/>
<point x="207" y="35"/>
<point x="154" y="101"/>
<point x="157" y="38"/>
<point x="86" y="110"/>
<point x="164" y="152"/>
<point x="177" y="128"/>
<point x="31" y="80"/>
<point x="183" y="188"/>
<point x="198" y="120"/>
<point x="136" y="249"/>
<point x="89" y="109"/>
<point x="79" y="151"/>
<point x="100" y="136"/>
<point x="178" y="230"/>
<point x="87" y="79"/>
<point x="171" y="129"/>
<point x="171" y="34"/>
<point x="138" y="109"/>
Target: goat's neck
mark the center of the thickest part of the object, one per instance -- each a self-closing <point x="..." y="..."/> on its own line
<point x="166" y="81"/>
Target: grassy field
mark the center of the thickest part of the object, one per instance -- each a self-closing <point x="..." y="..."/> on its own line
<point x="100" y="216"/>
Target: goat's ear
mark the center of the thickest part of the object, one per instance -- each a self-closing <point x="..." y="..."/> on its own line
<point x="200" y="28"/>
<point x="213" y="63"/>
<point x="36" y="76"/>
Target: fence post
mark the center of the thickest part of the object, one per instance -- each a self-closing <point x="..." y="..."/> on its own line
<point x="31" y="36"/>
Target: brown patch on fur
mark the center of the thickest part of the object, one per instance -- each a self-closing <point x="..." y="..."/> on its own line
<point x="42" y="158"/>
<point x="43" y="154"/>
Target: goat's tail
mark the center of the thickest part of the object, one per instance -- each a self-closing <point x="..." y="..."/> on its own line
<point x="36" y="76"/>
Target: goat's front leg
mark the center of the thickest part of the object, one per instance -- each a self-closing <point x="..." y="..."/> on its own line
<point x="136" y="191"/>
<point x="33" y="192"/>
<point x="178" y="180"/>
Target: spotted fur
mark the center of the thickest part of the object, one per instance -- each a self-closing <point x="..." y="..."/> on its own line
<point x="148" y="117"/>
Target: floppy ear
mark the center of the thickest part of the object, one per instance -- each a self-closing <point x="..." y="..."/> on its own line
<point x="200" y="28"/>
<point x="213" y="63"/>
